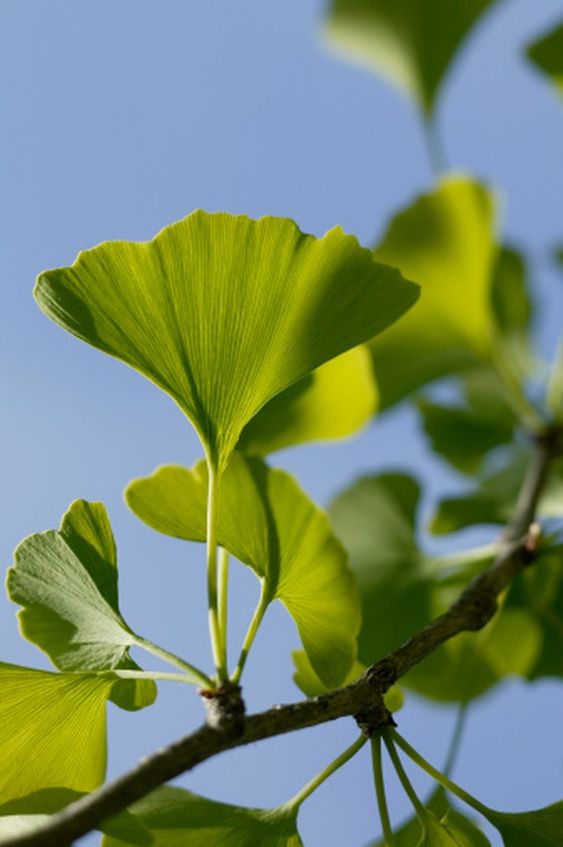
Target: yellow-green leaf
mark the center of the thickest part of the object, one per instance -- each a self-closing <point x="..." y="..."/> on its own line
<point x="178" y="818"/>
<point x="52" y="731"/>
<point x="410" y="42"/>
<point x="224" y="312"/>
<point x="269" y="523"/>
<point x="66" y="581"/>
<point x="444" y="240"/>
<point x="334" y="401"/>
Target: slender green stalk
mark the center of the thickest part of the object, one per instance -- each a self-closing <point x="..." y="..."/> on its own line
<point x="218" y="646"/>
<point x="223" y="596"/>
<point x="198" y="677"/>
<point x="419" y="807"/>
<point x="444" y="781"/>
<point x="388" y="836"/>
<point x="321" y="777"/>
<point x="455" y="741"/>
<point x="253" y="628"/>
<point x="166" y="677"/>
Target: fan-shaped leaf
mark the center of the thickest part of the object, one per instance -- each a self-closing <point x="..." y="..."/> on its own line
<point x="224" y="312"/>
<point x="408" y="41"/>
<point x="332" y="402"/>
<point x="267" y="522"/>
<point x="177" y="818"/>
<point x="66" y="580"/>
<point x="445" y="240"/>
<point x="540" y="828"/>
<point x="52" y="731"/>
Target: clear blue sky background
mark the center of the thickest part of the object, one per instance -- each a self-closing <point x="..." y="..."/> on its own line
<point x="119" y="117"/>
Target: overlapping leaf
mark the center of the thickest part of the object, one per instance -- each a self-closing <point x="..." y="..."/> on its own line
<point x="540" y="827"/>
<point x="267" y="522"/>
<point x="52" y="731"/>
<point x="66" y="581"/>
<point x="547" y="54"/>
<point x="334" y="401"/>
<point x="224" y="312"/>
<point x="455" y="825"/>
<point x="445" y="240"/>
<point x="178" y="818"/>
<point x="410" y="42"/>
<point x="376" y="520"/>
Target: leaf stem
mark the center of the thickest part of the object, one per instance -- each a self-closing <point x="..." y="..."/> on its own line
<point x="441" y="778"/>
<point x="218" y="645"/>
<point x="433" y="144"/>
<point x="198" y="677"/>
<point x="252" y="630"/>
<point x="388" y="836"/>
<point x="156" y="675"/>
<point x="223" y="596"/>
<point x="321" y="777"/>
<point x="419" y="807"/>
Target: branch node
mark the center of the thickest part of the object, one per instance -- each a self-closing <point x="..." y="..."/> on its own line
<point x="372" y="720"/>
<point x="224" y="708"/>
<point x="382" y="675"/>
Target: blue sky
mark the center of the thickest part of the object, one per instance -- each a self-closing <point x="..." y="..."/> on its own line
<point x="120" y="117"/>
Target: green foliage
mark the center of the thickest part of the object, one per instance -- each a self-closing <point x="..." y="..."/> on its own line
<point x="281" y="302"/>
<point x="66" y="580"/>
<point x="410" y="42"/>
<point x="265" y="338"/>
<point x="547" y="54"/>
<point x="267" y="522"/>
<point x="178" y="818"/>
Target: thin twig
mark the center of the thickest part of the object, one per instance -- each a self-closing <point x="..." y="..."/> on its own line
<point x="470" y="612"/>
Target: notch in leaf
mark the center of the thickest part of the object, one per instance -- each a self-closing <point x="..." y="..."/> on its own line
<point x="223" y="312"/>
<point x="269" y="523"/>
<point x="66" y="581"/>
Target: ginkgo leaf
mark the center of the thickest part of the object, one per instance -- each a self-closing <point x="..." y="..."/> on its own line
<point x="412" y="43"/>
<point x="269" y="523"/>
<point x="547" y="54"/>
<point x="334" y="401"/>
<point x="24" y="814"/>
<point x="52" y="730"/>
<point x="462" y="436"/>
<point x="224" y="312"/>
<point x="540" y="828"/>
<point x="178" y="818"/>
<point x="444" y="240"/>
<point x="66" y="581"/>
<point x="401" y="593"/>
<point x="456" y="825"/>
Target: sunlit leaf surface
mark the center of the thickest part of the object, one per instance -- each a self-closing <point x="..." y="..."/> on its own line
<point x="225" y="312"/>
<point x="66" y="581"/>
<point x="178" y="818"/>
<point x="269" y="523"/>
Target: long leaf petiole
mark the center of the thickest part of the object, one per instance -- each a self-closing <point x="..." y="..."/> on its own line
<point x="218" y="645"/>
<point x="321" y="777"/>
<point x="380" y="790"/>
<point x="197" y="677"/>
<point x="252" y="630"/>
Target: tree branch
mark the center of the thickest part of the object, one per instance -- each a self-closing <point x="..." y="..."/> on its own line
<point x="473" y="609"/>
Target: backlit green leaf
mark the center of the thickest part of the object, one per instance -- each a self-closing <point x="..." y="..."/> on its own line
<point x="66" y="581"/>
<point x="270" y="524"/>
<point x="456" y="825"/>
<point x="444" y="240"/>
<point x="332" y="402"/>
<point x="411" y="42"/>
<point x="547" y="54"/>
<point x="52" y="731"/>
<point x="224" y="312"/>
<point x="539" y="828"/>
<point x="178" y="818"/>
